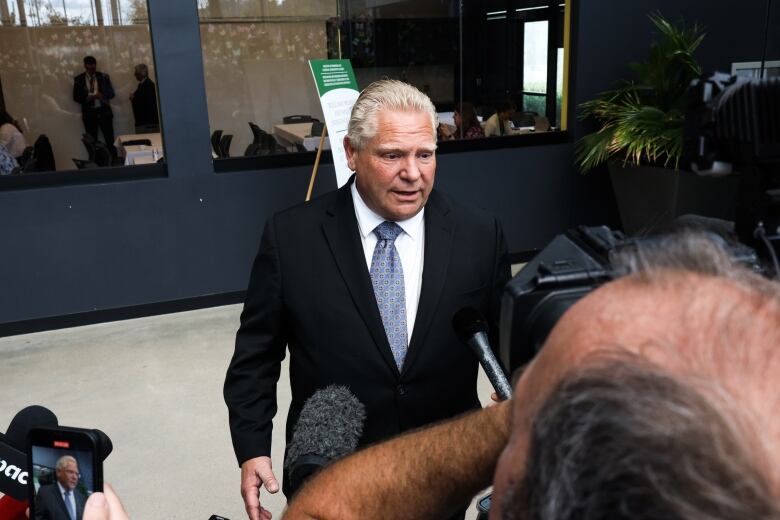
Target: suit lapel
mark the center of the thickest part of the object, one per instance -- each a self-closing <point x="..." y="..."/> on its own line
<point x="438" y="246"/>
<point x="61" y="501"/>
<point x="343" y="236"/>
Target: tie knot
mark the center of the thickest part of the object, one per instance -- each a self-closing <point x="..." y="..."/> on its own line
<point x="387" y="231"/>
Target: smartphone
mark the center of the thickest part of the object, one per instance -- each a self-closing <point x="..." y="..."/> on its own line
<point x="65" y="467"/>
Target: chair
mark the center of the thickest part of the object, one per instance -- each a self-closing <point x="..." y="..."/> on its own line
<point x="287" y="120"/>
<point x="43" y="155"/>
<point x="317" y="128"/>
<point x="105" y="155"/>
<point x="257" y="133"/>
<point x="82" y="164"/>
<point x="215" y="138"/>
<point x="251" y="150"/>
<point x="137" y="142"/>
<point x="27" y="154"/>
<point x="224" y="145"/>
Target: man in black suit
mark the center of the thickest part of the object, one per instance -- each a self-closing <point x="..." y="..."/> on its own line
<point x="92" y="89"/>
<point x="61" y="500"/>
<point x="362" y="285"/>
<point x="144" y="101"/>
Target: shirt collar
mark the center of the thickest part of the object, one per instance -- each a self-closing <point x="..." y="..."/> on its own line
<point x="368" y="220"/>
<point x="62" y="489"/>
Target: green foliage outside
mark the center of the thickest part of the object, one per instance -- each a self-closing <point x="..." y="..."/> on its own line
<point x="641" y="122"/>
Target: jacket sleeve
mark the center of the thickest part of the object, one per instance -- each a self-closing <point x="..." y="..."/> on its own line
<point x="107" y="89"/>
<point x="250" y="383"/>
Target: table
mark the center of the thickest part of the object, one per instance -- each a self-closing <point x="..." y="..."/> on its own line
<point x="297" y="133"/>
<point x="140" y="154"/>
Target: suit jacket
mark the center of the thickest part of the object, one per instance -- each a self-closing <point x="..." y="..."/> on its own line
<point x="145" y="103"/>
<point x="310" y="289"/>
<point x="49" y="504"/>
<point x="80" y="92"/>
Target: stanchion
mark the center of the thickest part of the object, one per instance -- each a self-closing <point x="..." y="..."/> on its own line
<point x="316" y="163"/>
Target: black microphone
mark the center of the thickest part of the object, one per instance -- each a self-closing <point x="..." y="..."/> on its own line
<point x="472" y="330"/>
<point x="13" y="449"/>
<point x="328" y="428"/>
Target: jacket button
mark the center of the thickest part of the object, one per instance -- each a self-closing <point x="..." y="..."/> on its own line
<point x="401" y="390"/>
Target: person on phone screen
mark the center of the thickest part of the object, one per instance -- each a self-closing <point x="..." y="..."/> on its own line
<point x="61" y="500"/>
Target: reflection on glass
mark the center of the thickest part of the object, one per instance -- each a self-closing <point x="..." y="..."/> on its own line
<point x="262" y="99"/>
<point x="84" y="110"/>
<point x="255" y="60"/>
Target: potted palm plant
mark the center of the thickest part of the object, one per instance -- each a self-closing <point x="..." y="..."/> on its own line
<point x="640" y="131"/>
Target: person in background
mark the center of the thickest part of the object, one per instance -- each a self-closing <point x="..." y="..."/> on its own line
<point x="467" y="125"/>
<point x="144" y="101"/>
<point x="7" y="161"/>
<point x="92" y="89"/>
<point x="11" y="135"/>
<point x="61" y="500"/>
<point x="500" y="123"/>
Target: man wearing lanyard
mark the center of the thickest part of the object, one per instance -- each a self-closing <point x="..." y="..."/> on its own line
<point x="92" y="89"/>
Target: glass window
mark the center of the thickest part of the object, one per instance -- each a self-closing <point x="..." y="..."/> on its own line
<point x="474" y="59"/>
<point x="73" y="112"/>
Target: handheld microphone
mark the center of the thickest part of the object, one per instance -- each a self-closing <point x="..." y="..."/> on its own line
<point x="472" y="329"/>
<point x="328" y="428"/>
<point x="13" y="459"/>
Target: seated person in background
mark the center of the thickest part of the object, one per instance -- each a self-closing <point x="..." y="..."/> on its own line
<point x="654" y="397"/>
<point x="500" y="123"/>
<point x="7" y="161"/>
<point x="11" y="135"/>
<point x="467" y="125"/>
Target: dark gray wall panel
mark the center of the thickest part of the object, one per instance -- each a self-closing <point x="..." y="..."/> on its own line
<point x="95" y="247"/>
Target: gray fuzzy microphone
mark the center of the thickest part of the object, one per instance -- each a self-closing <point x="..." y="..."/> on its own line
<point x="328" y="428"/>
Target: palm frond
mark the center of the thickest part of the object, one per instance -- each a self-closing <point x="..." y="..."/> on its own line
<point x="641" y="121"/>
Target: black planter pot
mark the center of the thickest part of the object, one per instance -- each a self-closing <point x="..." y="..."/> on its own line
<point x="650" y="198"/>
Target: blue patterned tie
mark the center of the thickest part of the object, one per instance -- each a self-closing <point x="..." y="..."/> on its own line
<point x="387" y="277"/>
<point x="69" y="505"/>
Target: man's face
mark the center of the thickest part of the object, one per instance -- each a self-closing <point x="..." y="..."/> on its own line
<point x="138" y="75"/>
<point x="90" y="68"/>
<point x="394" y="171"/>
<point x="68" y="475"/>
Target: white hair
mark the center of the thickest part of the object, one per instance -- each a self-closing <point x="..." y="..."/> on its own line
<point x="65" y="460"/>
<point x="387" y="94"/>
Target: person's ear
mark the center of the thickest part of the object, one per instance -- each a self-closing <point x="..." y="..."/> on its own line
<point x="350" y="152"/>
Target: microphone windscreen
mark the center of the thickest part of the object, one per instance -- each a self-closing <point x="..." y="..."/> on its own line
<point x="25" y="419"/>
<point x="329" y="426"/>
<point x="467" y="322"/>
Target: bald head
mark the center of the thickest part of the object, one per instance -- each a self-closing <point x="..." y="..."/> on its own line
<point x="687" y="318"/>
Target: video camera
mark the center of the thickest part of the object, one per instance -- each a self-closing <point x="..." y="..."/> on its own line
<point x="733" y="124"/>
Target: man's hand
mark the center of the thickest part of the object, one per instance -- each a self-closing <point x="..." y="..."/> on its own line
<point x="104" y="506"/>
<point x="255" y="473"/>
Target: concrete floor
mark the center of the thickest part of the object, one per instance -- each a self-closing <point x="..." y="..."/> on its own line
<point x="154" y="385"/>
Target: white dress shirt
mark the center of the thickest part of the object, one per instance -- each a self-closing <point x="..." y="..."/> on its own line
<point x="410" y="245"/>
<point x="69" y="498"/>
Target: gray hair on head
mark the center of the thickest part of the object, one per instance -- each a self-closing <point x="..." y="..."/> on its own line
<point x="622" y="439"/>
<point x="698" y="252"/>
<point x="386" y="94"/>
<point x="65" y="460"/>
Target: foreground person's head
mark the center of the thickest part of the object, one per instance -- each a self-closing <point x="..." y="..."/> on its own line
<point x="654" y="397"/>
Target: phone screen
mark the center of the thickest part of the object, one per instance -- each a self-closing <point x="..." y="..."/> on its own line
<point x="63" y="473"/>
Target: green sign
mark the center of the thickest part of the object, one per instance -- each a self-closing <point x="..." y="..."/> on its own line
<point x="332" y="74"/>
